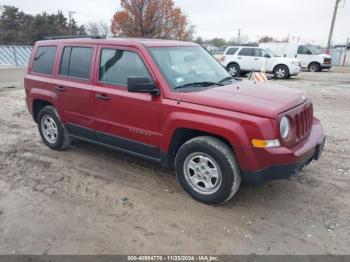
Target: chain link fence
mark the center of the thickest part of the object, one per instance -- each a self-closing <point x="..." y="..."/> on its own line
<point x="15" y="55"/>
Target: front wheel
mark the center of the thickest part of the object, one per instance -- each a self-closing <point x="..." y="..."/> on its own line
<point x="207" y="170"/>
<point x="281" y="72"/>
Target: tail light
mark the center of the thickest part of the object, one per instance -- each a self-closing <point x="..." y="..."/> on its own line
<point x="222" y="58"/>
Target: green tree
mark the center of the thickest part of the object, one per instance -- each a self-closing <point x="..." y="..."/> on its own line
<point x="218" y="42"/>
<point x="18" y="27"/>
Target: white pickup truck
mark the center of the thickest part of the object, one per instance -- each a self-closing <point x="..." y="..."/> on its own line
<point x="243" y="59"/>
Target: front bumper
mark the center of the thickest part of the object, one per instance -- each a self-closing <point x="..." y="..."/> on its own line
<point x="259" y="165"/>
<point x="282" y="171"/>
<point x="326" y="66"/>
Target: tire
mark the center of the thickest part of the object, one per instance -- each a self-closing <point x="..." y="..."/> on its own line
<point x="51" y="130"/>
<point x="281" y="72"/>
<point x="233" y="69"/>
<point x="314" y="67"/>
<point x="195" y="164"/>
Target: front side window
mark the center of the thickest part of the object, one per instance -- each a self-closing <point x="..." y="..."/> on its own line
<point x="246" y="52"/>
<point x="117" y="65"/>
<point x="304" y="50"/>
<point x="44" y="59"/>
<point x="189" y="66"/>
<point x="76" y="62"/>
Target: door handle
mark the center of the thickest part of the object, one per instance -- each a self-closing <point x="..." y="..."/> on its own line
<point x="60" y="88"/>
<point x="256" y="58"/>
<point x="239" y="57"/>
<point x="103" y="97"/>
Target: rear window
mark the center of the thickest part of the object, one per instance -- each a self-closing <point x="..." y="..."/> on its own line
<point x="76" y="62"/>
<point x="246" y="52"/>
<point x="44" y="59"/>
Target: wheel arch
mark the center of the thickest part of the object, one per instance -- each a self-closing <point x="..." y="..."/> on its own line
<point x="280" y="64"/>
<point x="182" y="135"/>
<point x="180" y="131"/>
<point x="232" y="63"/>
<point x="37" y="105"/>
<point x="314" y="62"/>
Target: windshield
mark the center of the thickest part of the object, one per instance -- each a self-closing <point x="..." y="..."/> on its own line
<point x="189" y="67"/>
<point x="314" y="50"/>
<point x="272" y="53"/>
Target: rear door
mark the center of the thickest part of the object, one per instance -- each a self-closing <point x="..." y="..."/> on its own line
<point x="129" y="121"/>
<point x="74" y="85"/>
<point x="258" y="59"/>
<point x="245" y="58"/>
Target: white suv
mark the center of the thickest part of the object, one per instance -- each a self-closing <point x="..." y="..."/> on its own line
<point x="244" y="59"/>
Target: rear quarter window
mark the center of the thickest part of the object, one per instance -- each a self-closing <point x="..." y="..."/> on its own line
<point x="44" y="59"/>
<point x="232" y="51"/>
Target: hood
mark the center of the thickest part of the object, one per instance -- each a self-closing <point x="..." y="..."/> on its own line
<point x="261" y="99"/>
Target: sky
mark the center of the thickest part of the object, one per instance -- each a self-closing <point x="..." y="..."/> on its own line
<point x="306" y="20"/>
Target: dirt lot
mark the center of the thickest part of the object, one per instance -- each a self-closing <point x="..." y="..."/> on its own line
<point x="90" y="200"/>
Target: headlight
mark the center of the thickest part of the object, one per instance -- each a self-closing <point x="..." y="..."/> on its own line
<point x="284" y="127"/>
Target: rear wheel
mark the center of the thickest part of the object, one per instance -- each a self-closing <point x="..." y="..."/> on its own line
<point x="281" y="72"/>
<point x="233" y="69"/>
<point x="207" y="170"/>
<point x="51" y="130"/>
<point x="314" y="67"/>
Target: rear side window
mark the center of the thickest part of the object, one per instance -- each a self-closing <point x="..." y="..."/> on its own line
<point x="117" y="65"/>
<point x="246" y="52"/>
<point x="76" y="62"/>
<point x="44" y="59"/>
<point x="232" y="51"/>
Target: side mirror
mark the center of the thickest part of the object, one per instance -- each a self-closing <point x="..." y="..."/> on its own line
<point x="267" y="56"/>
<point x="140" y="84"/>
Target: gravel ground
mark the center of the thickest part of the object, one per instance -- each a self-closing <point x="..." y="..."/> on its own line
<point x="90" y="200"/>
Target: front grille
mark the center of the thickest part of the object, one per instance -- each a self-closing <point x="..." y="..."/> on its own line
<point x="303" y="122"/>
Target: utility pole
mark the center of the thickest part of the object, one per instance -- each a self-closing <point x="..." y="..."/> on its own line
<point x="70" y="18"/>
<point x="332" y="24"/>
<point x="239" y="35"/>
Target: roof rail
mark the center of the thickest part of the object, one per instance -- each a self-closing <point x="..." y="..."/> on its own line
<point x="73" y="36"/>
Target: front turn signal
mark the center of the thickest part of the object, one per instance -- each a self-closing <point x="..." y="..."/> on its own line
<point x="265" y="143"/>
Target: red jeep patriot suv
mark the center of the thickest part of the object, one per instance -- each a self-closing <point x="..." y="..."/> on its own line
<point x="173" y="103"/>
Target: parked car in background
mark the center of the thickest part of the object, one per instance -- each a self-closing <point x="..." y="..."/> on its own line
<point x="310" y="57"/>
<point x="243" y="59"/>
<point x="172" y="103"/>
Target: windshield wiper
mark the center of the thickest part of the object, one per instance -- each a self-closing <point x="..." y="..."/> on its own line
<point x="204" y="83"/>
<point x="226" y="79"/>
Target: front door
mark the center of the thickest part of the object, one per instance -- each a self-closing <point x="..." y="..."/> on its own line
<point x="128" y="121"/>
<point x="305" y="55"/>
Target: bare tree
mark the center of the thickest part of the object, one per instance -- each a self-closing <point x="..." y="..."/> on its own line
<point x="98" y="28"/>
